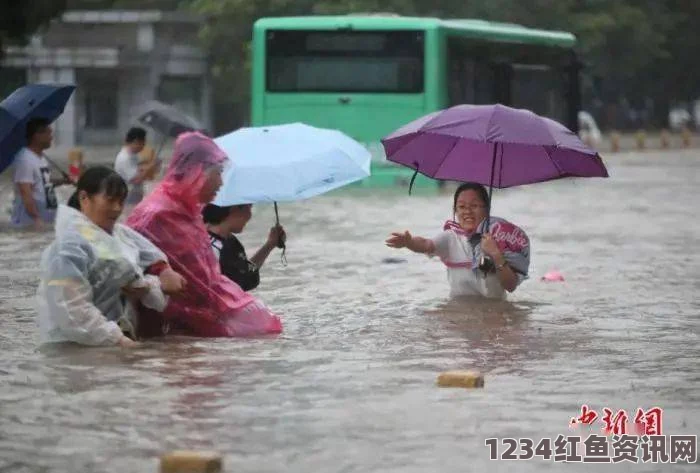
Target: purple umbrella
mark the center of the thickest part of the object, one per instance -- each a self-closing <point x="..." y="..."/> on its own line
<point x="494" y="145"/>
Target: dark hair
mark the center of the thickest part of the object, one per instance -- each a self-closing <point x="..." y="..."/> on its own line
<point x="34" y="126"/>
<point x="472" y="186"/>
<point x="135" y="134"/>
<point x="96" y="180"/>
<point x="213" y="214"/>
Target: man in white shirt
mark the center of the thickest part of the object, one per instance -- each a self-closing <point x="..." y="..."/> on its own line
<point x="35" y="196"/>
<point x="127" y="164"/>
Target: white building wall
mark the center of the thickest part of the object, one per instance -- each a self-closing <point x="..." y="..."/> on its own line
<point x="64" y="126"/>
<point x="137" y="48"/>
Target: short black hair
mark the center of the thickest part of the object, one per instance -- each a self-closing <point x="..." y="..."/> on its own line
<point x="213" y="214"/>
<point x="135" y="134"/>
<point x="99" y="179"/>
<point x="472" y="186"/>
<point x="34" y="126"/>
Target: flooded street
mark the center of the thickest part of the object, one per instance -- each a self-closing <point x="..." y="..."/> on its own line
<point x="350" y="384"/>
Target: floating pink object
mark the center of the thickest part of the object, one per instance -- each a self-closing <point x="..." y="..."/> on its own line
<point x="553" y="275"/>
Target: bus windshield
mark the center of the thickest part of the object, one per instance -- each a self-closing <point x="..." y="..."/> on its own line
<point x="345" y="61"/>
<point x="518" y="76"/>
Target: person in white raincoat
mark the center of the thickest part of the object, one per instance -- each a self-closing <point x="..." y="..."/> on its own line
<point x="96" y="272"/>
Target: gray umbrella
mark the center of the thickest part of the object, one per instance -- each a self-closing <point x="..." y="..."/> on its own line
<point x="167" y="120"/>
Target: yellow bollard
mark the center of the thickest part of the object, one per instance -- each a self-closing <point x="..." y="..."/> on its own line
<point x="615" y="142"/>
<point x="687" y="137"/>
<point x="460" y="379"/>
<point x="641" y="138"/>
<point x="184" y="461"/>
<point x="665" y="139"/>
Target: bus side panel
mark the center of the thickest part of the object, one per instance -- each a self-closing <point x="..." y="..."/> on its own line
<point x="436" y="86"/>
<point x="258" y="77"/>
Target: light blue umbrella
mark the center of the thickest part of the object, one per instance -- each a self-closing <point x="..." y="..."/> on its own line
<point x="284" y="163"/>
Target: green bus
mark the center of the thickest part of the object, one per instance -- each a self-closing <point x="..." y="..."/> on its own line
<point x="367" y="75"/>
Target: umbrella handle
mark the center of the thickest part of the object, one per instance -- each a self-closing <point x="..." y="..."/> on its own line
<point x="281" y="243"/>
<point x="58" y="168"/>
<point x="486" y="263"/>
<point x="493" y="170"/>
<point x="160" y="146"/>
<point x="157" y="156"/>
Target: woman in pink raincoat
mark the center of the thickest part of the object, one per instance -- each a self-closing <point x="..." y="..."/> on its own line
<point x="171" y="217"/>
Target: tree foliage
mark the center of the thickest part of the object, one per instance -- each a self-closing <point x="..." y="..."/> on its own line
<point x="637" y="52"/>
<point x="20" y="19"/>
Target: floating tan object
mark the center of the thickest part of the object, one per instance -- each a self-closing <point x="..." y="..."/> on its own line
<point x="184" y="461"/>
<point x="461" y="379"/>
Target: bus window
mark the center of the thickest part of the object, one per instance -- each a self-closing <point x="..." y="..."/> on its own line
<point x="457" y="90"/>
<point x="502" y="83"/>
<point x="471" y="78"/>
<point x="484" y="78"/>
<point x="345" y="61"/>
<point x="518" y="76"/>
<point x="541" y="89"/>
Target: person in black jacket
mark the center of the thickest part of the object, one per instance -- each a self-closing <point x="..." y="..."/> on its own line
<point x="223" y="223"/>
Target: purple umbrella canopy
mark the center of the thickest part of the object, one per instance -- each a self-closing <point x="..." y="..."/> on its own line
<point x="494" y="145"/>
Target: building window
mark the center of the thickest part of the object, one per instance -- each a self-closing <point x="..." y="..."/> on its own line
<point x="101" y="103"/>
<point x="11" y="78"/>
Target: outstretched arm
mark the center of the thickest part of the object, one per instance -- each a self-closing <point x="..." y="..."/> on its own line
<point x="413" y="243"/>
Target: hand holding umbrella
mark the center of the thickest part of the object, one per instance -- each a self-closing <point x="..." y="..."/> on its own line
<point x="277" y="236"/>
